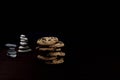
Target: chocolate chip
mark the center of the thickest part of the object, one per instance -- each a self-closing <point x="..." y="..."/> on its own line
<point x="44" y="39"/>
<point x="49" y="39"/>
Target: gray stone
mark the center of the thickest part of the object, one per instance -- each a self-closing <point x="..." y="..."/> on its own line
<point x="23" y="47"/>
<point x="27" y="50"/>
<point x="23" y="43"/>
<point x="22" y="35"/>
<point x="10" y="45"/>
<point x="12" y="56"/>
<point x="12" y="53"/>
<point x="24" y="40"/>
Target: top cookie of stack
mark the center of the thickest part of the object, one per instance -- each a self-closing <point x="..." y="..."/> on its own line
<point x="49" y="44"/>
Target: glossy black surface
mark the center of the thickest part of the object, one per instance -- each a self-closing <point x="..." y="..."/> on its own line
<point x="87" y="56"/>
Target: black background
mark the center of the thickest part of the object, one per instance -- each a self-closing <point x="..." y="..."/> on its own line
<point x="87" y="45"/>
<point x="87" y="55"/>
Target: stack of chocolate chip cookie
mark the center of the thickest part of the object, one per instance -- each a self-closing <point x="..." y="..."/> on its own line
<point x="49" y="50"/>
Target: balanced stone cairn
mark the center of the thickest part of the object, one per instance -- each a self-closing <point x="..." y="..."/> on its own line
<point x="11" y="50"/>
<point x="23" y="44"/>
<point x="49" y="50"/>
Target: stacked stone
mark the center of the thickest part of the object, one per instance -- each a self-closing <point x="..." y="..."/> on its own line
<point x="11" y="50"/>
<point x="23" y="44"/>
<point x="49" y="50"/>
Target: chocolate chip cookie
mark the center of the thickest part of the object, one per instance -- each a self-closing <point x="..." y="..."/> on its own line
<point x="47" y="41"/>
